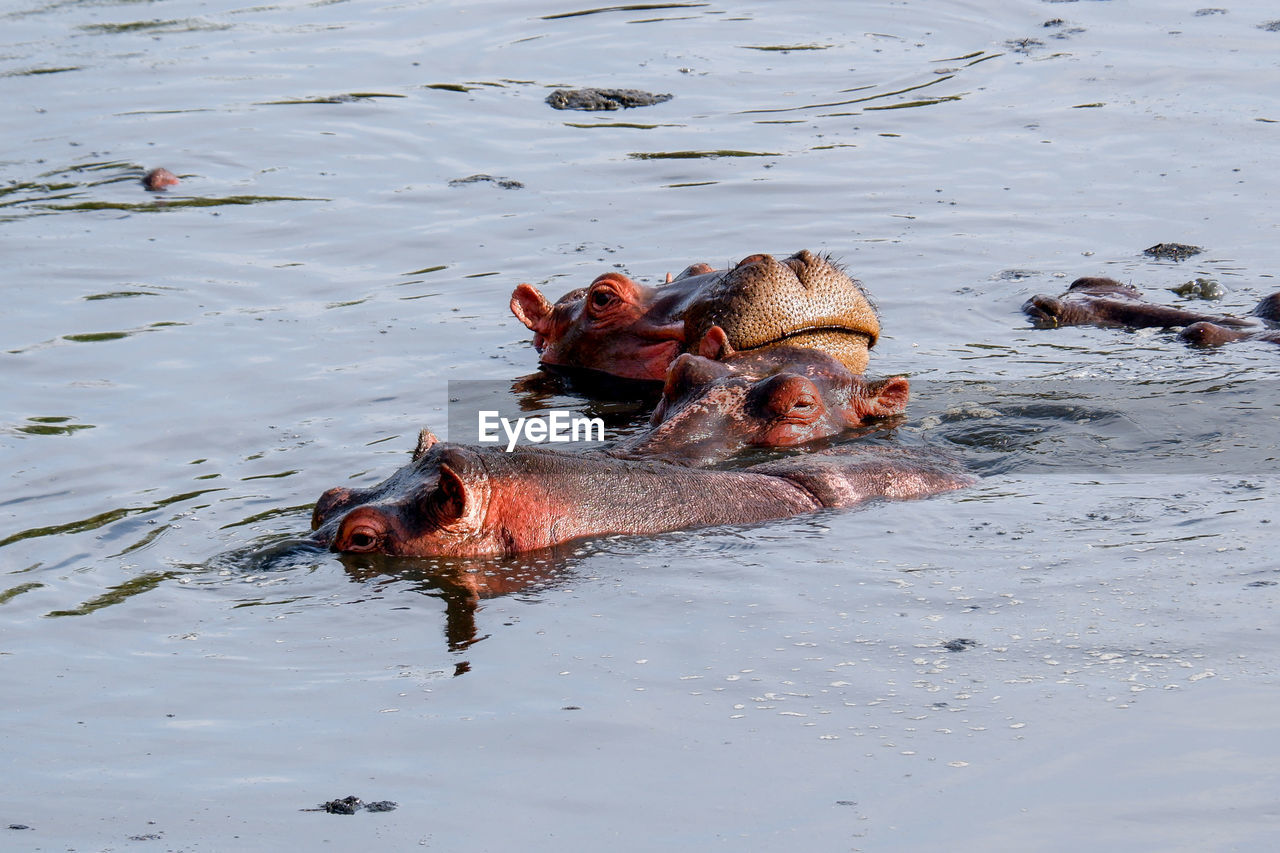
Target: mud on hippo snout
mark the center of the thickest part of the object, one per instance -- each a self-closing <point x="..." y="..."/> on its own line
<point x="625" y="328"/>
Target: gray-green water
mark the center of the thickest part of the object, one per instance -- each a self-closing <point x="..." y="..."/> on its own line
<point x="183" y="374"/>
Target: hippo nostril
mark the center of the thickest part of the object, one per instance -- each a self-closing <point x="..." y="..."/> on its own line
<point x="328" y="503"/>
<point x="750" y="259"/>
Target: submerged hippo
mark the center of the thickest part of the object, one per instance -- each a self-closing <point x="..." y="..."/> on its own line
<point x="779" y="397"/>
<point x="1212" y="335"/>
<point x="158" y="180"/>
<point x="627" y="329"/>
<point x="457" y="500"/>
<point x="1107" y="302"/>
<point x="1208" y="333"/>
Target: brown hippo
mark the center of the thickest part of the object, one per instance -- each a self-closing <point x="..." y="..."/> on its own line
<point x="627" y="329"/>
<point x="1107" y="302"/>
<point x="778" y="397"/>
<point x="1211" y="335"/>
<point x="1205" y="333"/>
<point x="457" y="500"/>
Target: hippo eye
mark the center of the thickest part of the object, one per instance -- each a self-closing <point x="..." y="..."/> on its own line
<point x="601" y="298"/>
<point x="361" y="539"/>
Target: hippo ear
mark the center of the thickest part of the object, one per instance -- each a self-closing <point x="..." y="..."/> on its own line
<point x="692" y="270"/>
<point x="426" y="440"/>
<point x="531" y="308"/>
<point x="882" y="398"/>
<point x="715" y="345"/>
<point x="453" y="497"/>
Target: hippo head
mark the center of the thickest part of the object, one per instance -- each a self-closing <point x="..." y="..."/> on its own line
<point x="1078" y="306"/>
<point x="612" y="325"/>
<point x="434" y="506"/>
<point x="1205" y="334"/>
<point x="779" y="397"/>
<point x="628" y="329"/>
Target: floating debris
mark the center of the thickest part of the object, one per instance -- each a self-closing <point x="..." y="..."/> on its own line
<point x="352" y="804"/>
<point x="603" y="99"/>
<point x="347" y="98"/>
<point x="505" y="183"/>
<point x="785" y="48"/>
<point x="1200" y="288"/>
<point x="697" y="155"/>
<point x="630" y="7"/>
<point x="1172" y="251"/>
<point x="1023" y="45"/>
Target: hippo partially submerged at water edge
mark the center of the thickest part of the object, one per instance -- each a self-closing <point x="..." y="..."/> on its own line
<point x="711" y="408"/>
<point x="627" y="329"/>
<point x="458" y="500"/>
<point x="1107" y="302"/>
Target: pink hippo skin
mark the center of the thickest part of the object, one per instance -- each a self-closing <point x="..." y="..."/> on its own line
<point x="715" y="405"/>
<point x="456" y="500"/>
<point x="626" y="329"/>
<point x="158" y="180"/>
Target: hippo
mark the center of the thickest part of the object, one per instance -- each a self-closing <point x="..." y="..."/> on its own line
<point x="459" y="500"/>
<point x="1207" y="333"/>
<point x="1107" y="302"/>
<point x="158" y="180"/>
<point x="627" y="329"/>
<point x="1211" y="335"/>
<point x="778" y="397"/>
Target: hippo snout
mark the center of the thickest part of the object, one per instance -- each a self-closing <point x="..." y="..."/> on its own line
<point x="330" y="503"/>
<point x="1044" y="311"/>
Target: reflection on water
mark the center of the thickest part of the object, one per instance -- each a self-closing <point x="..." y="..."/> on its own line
<point x="462" y="584"/>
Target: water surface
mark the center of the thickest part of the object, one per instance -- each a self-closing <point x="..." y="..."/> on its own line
<point x="184" y="373"/>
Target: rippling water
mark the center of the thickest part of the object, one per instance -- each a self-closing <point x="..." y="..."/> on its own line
<point x="1078" y="651"/>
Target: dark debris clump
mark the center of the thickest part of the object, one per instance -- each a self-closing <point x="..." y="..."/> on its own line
<point x="505" y="183"/>
<point x="603" y="99"/>
<point x="352" y="804"/>
<point x="1172" y="251"/>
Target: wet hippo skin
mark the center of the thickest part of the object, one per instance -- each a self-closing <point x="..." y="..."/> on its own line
<point x="456" y="500"/>
<point x="627" y="329"/>
<point x="712" y="408"/>
<point x="1107" y="302"/>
